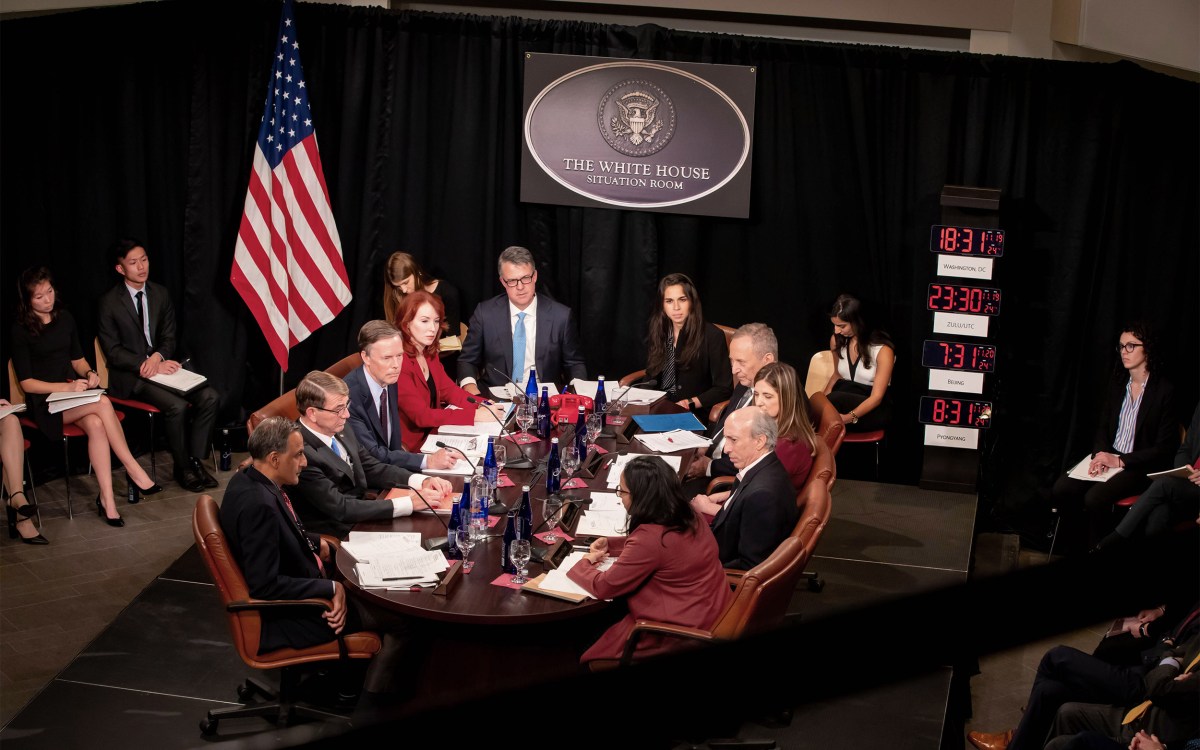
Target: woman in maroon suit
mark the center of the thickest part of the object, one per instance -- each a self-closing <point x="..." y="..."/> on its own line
<point x="668" y="564"/>
<point x="424" y="387"/>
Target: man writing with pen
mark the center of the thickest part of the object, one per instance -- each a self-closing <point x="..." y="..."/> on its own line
<point x="331" y="495"/>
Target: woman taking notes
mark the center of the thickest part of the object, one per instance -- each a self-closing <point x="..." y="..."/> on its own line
<point x="403" y="276"/>
<point x="667" y="565"/>
<point x="424" y="387"/>
<point x="48" y="359"/>
<point x="865" y="358"/>
<point x="687" y="356"/>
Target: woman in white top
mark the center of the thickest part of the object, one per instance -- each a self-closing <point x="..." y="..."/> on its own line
<point x="865" y="358"/>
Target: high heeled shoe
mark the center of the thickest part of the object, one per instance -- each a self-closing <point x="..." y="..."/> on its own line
<point x="118" y="521"/>
<point x="136" y="493"/>
<point x="28" y="510"/>
<point x="15" y="534"/>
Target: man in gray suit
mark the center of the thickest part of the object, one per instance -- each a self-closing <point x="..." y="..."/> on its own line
<point x="137" y="336"/>
<point x="332" y="493"/>
<point x="513" y="331"/>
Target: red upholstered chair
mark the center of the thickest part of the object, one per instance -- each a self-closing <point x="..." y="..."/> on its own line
<point x="873" y="436"/>
<point x="245" y="624"/>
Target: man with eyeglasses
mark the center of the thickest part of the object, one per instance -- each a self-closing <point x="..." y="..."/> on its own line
<point x="516" y="330"/>
<point x="332" y="493"/>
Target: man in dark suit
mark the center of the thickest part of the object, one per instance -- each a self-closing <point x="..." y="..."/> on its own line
<point x="373" y="415"/>
<point x="761" y="510"/>
<point x="332" y="493"/>
<point x="517" y="330"/>
<point x="137" y="336"/>
<point x="751" y="348"/>
<point x="281" y="560"/>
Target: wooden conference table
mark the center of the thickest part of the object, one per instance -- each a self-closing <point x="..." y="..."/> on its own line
<point x="509" y="636"/>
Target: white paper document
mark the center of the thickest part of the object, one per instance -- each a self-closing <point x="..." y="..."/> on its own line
<point x="366" y="546"/>
<point x="669" y="442"/>
<point x="642" y="396"/>
<point x="1081" y="471"/>
<point x="472" y="445"/>
<point x="60" y="402"/>
<point x="602" y="523"/>
<point x="487" y="429"/>
<point x="181" y="380"/>
<point x="588" y="387"/>
<point x="507" y="392"/>
<point x="557" y="580"/>
<point x="460" y="468"/>
<point x="614" y="474"/>
<point x="606" y="502"/>
<point x="411" y="567"/>
<point x="1183" y="472"/>
<point x="11" y="409"/>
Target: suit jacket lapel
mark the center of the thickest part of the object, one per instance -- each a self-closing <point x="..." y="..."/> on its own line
<point x="326" y="454"/>
<point x="393" y="392"/>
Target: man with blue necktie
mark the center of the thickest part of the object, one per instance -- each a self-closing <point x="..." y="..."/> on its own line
<point x="517" y="330"/>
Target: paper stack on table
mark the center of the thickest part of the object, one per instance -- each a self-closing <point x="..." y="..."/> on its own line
<point x="411" y="566"/>
<point x="508" y="392"/>
<point x="588" y="387"/>
<point x="365" y="546"/>
<point x="473" y="446"/>
<point x="675" y="440"/>
<point x="460" y="468"/>
<point x="605" y="516"/>
<point x="614" y="474"/>
<point x="556" y="580"/>
<point x="486" y="429"/>
<point x="642" y="396"/>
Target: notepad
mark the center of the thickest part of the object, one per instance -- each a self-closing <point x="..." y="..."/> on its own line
<point x="1183" y="472"/>
<point x="1080" y="472"/>
<point x="63" y="400"/>
<point x="181" y="380"/>
<point x="667" y="422"/>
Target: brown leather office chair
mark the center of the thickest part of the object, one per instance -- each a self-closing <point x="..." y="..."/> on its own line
<point x="245" y="624"/>
<point x="760" y="600"/>
<point x="285" y="405"/>
<point x="826" y="421"/>
<point x="816" y="504"/>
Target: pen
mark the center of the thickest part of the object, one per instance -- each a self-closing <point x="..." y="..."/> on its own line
<point x="404" y="578"/>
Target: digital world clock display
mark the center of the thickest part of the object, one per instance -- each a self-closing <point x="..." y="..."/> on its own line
<point x="974" y="300"/>
<point x="956" y="412"/>
<point x="957" y="355"/>
<point x="966" y="241"/>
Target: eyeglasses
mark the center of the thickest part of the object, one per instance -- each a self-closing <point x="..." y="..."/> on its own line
<point x="518" y="282"/>
<point x="343" y="409"/>
<point x="1130" y="347"/>
<point x="622" y="491"/>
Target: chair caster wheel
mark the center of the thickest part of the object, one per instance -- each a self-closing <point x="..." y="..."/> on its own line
<point x="208" y="727"/>
<point x="245" y="693"/>
<point x="815" y="585"/>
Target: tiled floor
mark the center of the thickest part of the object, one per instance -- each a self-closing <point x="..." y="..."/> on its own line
<point x="56" y="599"/>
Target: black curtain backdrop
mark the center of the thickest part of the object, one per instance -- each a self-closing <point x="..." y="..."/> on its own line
<point x="141" y="120"/>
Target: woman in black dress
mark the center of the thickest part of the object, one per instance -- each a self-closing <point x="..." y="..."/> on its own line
<point x="403" y="276"/>
<point x="687" y="355"/>
<point x="48" y="359"/>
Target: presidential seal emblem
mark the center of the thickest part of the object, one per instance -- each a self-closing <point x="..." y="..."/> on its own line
<point x="636" y="118"/>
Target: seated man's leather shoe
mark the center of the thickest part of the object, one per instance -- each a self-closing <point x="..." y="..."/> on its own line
<point x="995" y="741"/>
<point x="204" y="476"/>
<point x="188" y="480"/>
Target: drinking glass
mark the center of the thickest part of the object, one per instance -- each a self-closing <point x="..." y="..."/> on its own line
<point x="570" y="461"/>
<point x="519" y="552"/>
<point x="465" y="538"/>
<point x="501" y="454"/>
<point x="595" y="425"/>
<point x="551" y="511"/>
<point x="526" y="416"/>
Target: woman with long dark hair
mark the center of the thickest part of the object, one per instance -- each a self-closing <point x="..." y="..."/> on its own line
<point x="864" y="358"/>
<point x="668" y="564"/>
<point x="686" y="355"/>
<point x="48" y="359"/>
<point x="402" y="276"/>
<point x="1138" y="433"/>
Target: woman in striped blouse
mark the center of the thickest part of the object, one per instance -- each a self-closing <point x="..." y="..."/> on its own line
<point x="1138" y="433"/>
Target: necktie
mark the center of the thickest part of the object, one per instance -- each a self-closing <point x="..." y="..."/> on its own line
<point x="1137" y="711"/>
<point x="519" y="348"/>
<point x="337" y="449"/>
<point x="296" y="519"/>
<point x="383" y="418"/>
<point x="668" y="374"/>
<point x="142" y="317"/>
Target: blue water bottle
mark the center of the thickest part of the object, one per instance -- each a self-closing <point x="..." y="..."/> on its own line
<point x="601" y="400"/>
<point x="526" y="530"/>
<point x="581" y="435"/>
<point x="452" y="550"/>
<point x="544" y="424"/>
<point x="531" y="386"/>
<point x="491" y="471"/>
<point x="553" y="468"/>
<point x="510" y="534"/>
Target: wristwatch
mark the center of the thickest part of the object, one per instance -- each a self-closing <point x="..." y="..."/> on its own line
<point x="853" y="418"/>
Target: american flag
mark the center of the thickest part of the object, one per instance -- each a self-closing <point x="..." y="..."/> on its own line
<point x="287" y="264"/>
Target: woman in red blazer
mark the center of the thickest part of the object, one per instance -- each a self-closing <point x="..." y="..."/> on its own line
<point x="668" y="565"/>
<point x="424" y="388"/>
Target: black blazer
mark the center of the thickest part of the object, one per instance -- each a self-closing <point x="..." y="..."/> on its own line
<point x="723" y="467"/>
<point x="708" y="377"/>
<point x="489" y="343"/>
<point x="757" y="517"/>
<point x="331" y="496"/>
<point x="121" y="337"/>
<point x="1156" y="435"/>
<point x="1189" y="451"/>
<point x="364" y="420"/>
<point x="275" y="559"/>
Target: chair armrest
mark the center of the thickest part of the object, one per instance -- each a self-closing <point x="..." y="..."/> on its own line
<point x="719" y="484"/>
<point x="332" y="540"/>
<point x="252" y="604"/>
<point x="734" y="577"/>
<point x="661" y="628"/>
<point x="715" y="413"/>
<point x="632" y="377"/>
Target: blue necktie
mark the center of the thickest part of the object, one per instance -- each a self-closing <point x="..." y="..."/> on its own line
<point x="336" y="450"/>
<point x="519" y="348"/>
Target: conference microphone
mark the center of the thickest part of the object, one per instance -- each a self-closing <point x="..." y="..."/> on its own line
<point x="433" y="542"/>
<point x="648" y="383"/>
<point x="468" y="459"/>
<point x="518" y="391"/>
<point x="524" y="462"/>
